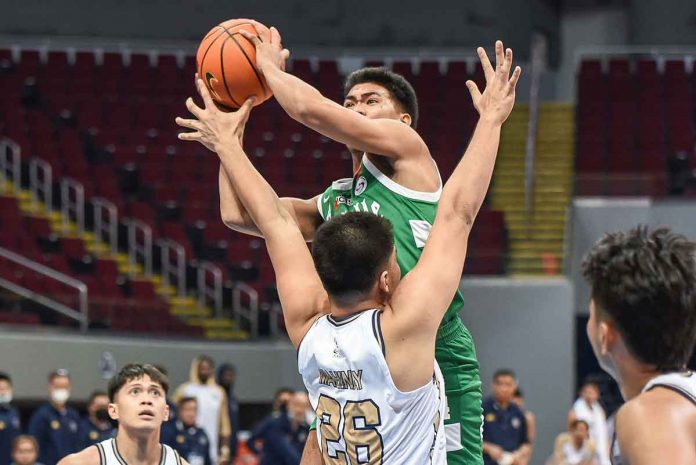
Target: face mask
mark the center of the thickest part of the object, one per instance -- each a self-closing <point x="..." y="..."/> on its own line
<point x="102" y="415"/>
<point x="60" y="396"/>
<point x="5" y="398"/>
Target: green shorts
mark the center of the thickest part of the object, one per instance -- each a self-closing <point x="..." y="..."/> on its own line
<point x="456" y="355"/>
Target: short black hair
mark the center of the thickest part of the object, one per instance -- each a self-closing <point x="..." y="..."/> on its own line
<point x="591" y="381"/>
<point x="59" y="373"/>
<point x="349" y="252"/>
<point x="5" y="377"/>
<point x="136" y="371"/>
<point x="504" y="372"/>
<point x="95" y="394"/>
<point x="395" y="83"/>
<point x="184" y="400"/>
<point x="644" y="283"/>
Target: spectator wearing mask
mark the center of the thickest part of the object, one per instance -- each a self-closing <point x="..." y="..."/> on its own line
<point x="25" y="451"/>
<point x="518" y="399"/>
<point x="575" y="446"/>
<point x="226" y="376"/>
<point x="9" y="420"/>
<point x="185" y="437"/>
<point x="283" y="433"/>
<point x="505" y="439"/>
<point x="55" y="425"/>
<point x="588" y="408"/>
<point x="96" y="426"/>
<point x="213" y="416"/>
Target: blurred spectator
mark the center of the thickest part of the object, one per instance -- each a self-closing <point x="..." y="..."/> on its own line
<point x="587" y="408"/>
<point x="25" y="451"/>
<point x="213" y="414"/>
<point x="185" y="437"/>
<point x="283" y="432"/>
<point x="170" y="402"/>
<point x="575" y="446"/>
<point x="518" y="398"/>
<point x="9" y="419"/>
<point x="226" y="376"/>
<point x="96" y="426"/>
<point x="55" y="425"/>
<point x="281" y="399"/>
<point x="505" y="440"/>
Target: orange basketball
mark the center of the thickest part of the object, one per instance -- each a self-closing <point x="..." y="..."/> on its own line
<point x="227" y="64"/>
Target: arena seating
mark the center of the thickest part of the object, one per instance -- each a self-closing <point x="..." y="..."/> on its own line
<point x="633" y="119"/>
<point x="108" y="122"/>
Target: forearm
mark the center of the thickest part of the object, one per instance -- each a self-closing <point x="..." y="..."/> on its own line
<point x="311" y="454"/>
<point x="466" y="189"/>
<point x="293" y="94"/>
<point x="258" y="198"/>
<point x="232" y="212"/>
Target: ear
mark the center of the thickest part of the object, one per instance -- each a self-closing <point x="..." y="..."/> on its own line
<point x="166" y="412"/>
<point x="384" y="282"/>
<point x="113" y="411"/>
<point x="608" y="337"/>
<point x="405" y="118"/>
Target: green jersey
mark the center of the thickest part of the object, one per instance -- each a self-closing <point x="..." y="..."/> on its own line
<point x="411" y="213"/>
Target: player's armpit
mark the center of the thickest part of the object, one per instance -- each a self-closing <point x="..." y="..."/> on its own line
<point x="87" y="456"/>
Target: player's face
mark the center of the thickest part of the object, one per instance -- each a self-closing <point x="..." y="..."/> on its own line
<point x="140" y="405"/>
<point x="25" y="454"/>
<point x="580" y="432"/>
<point x="5" y="387"/>
<point x="188" y="412"/>
<point x="205" y="371"/>
<point x="374" y="101"/>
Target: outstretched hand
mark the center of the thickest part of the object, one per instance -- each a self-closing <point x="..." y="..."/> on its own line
<point x="498" y="98"/>
<point x="269" y="47"/>
<point x="213" y="127"/>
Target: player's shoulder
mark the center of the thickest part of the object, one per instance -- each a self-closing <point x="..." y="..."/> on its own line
<point x="654" y="407"/>
<point x="88" y="456"/>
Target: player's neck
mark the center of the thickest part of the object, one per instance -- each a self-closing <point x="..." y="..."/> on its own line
<point x="139" y="448"/>
<point x="633" y="376"/>
<point x="341" y="311"/>
<point x="58" y="407"/>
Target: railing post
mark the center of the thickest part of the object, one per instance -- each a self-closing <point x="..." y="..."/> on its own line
<point x="10" y="164"/>
<point x="72" y="201"/>
<point x="250" y="313"/>
<point x="140" y="246"/>
<point x="41" y="183"/>
<point x="210" y="291"/>
<point x="106" y="222"/>
<point x="175" y="266"/>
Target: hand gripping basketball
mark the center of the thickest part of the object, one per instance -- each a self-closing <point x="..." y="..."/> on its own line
<point x="269" y="47"/>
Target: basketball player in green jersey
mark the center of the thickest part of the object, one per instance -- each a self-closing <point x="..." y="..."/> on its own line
<point x="396" y="178"/>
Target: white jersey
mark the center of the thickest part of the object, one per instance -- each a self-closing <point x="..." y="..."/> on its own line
<point x="109" y="454"/>
<point x="362" y="418"/>
<point x="683" y="383"/>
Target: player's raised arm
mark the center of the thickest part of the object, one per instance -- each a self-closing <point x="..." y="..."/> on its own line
<point x="304" y="103"/>
<point x="301" y="293"/>
<point x="235" y="216"/>
<point x="426" y="292"/>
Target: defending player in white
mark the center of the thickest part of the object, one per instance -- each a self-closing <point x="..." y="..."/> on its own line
<point x="365" y="337"/>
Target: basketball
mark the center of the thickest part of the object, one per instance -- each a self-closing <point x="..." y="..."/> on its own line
<point x="226" y="62"/>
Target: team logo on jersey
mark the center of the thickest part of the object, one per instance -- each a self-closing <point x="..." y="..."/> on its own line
<point x="490" y="418"/>
<point x="2" y="425"/>
<point x="180" y="439"/>
<point x="55" y="424"/>
<point x="515" y="422"/>
<point x="337" y="350"/>
<point x="361" y="185"/>
<point x="93" y="435"/>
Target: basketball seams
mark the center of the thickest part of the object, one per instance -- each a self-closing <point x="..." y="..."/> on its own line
<point x="212" y="42"/>
<point x="251" y="63"/>
<point x="222" y="70"/>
